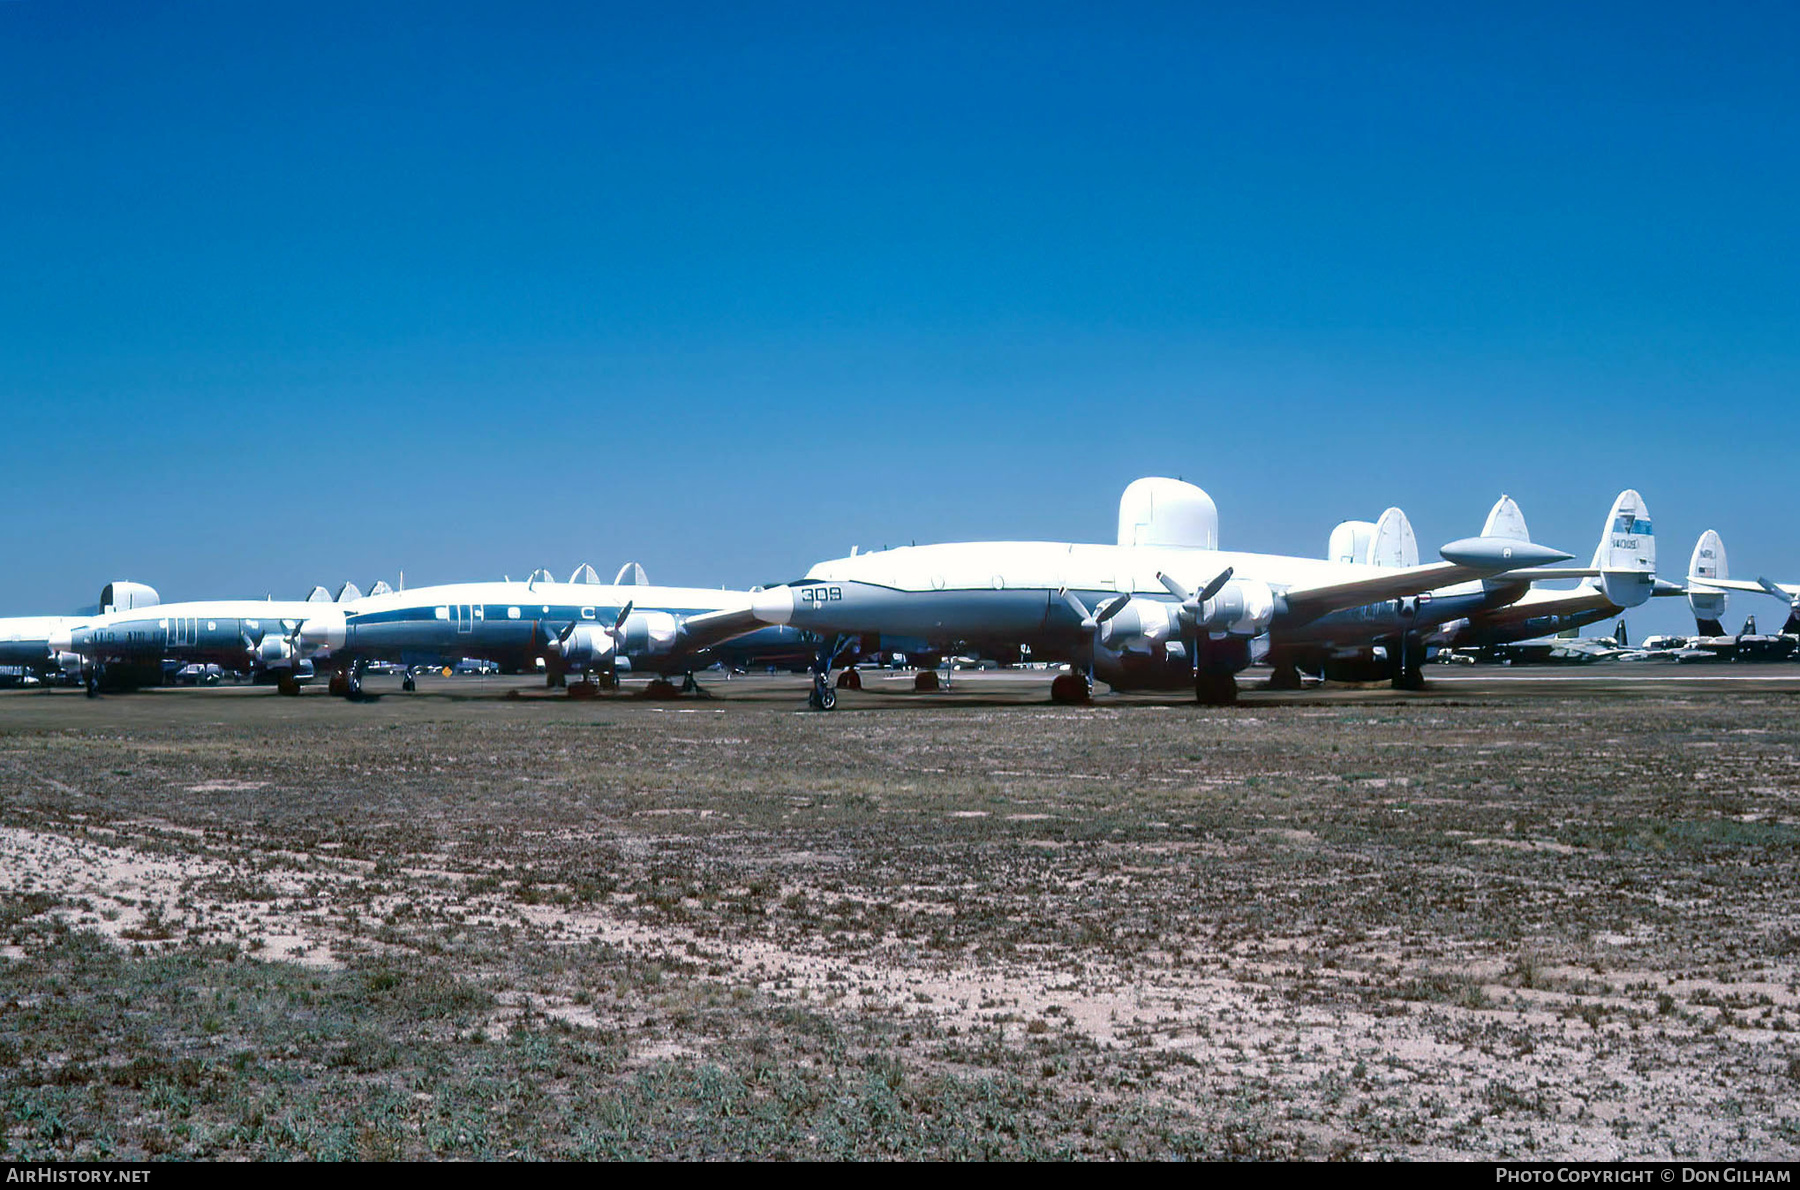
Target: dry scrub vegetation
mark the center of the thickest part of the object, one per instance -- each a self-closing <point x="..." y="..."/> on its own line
<point x="1512" y="921"/>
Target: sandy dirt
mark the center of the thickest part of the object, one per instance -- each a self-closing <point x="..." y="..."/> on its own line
<point x="1498" y="919"/>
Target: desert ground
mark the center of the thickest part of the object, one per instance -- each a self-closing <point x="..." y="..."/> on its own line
<point x="1538" y="916"/>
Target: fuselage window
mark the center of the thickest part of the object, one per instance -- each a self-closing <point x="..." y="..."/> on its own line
<point x="512" y="613"/>
<point x="442" y="613"/>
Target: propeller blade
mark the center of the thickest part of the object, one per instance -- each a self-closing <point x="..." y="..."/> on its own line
<point x="563" y="636"/>
<point x="1217" y="585"/>
<point x="1111" y="608"/>
<point x="624" y="614"/>
<point x="1174" y="588"/>
<point x="1088" y="623"/>
<point x="1776" y="590"/>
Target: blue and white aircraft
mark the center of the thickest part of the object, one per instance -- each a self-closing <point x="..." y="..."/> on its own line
<point x="574" y="627"/>
<point x="26" y="641"/>
<point x="126" y="646"/>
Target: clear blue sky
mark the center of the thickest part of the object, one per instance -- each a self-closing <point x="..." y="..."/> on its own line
<point x="301" y="293"/>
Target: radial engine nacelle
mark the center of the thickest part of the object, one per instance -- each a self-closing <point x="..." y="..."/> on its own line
<point x="1243" y="607"/>
<point x="1141" y="626"/>
<point x="1225" y="607"/>
<point x="273" y="651"/>
<point x="648" y="634"/>
<point x="587" y="646"/>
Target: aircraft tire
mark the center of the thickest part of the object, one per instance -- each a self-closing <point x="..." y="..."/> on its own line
<point x="408" y="684"/>
<point x="1215" y="690"/>
<point x="1285" y="677"/>
<point x="849" y="680"/>
<point x="926" y="681"/>
<point x="1409" y="679"/>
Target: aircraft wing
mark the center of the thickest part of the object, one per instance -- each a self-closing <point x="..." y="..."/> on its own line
<point x="715" y="628"/>
<point x="1470" y="558"/>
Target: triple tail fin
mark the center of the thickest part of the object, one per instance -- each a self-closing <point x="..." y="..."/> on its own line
<point x="1626" y="555"/>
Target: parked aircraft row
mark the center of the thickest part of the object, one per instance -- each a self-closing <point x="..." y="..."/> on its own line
<point x="1161" y="608"/>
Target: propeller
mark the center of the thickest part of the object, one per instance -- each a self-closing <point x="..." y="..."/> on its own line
<point x="1194" y="604"/>
<point x="616" y="630"/>
<point x="1091" y="621"/>
<point x="1193" y="611"/>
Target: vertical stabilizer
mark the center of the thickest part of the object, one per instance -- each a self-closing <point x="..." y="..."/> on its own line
<point x="632" y="575"/>
<point x="1394" y="543"/>
<point x="1708" y="606"/>
<point x="1626" y="556"/>
<point x="1505" y="520"/>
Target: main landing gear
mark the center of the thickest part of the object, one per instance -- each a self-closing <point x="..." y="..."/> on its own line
<point x="1409" y="672"/>
<point x="348" y="681"/>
